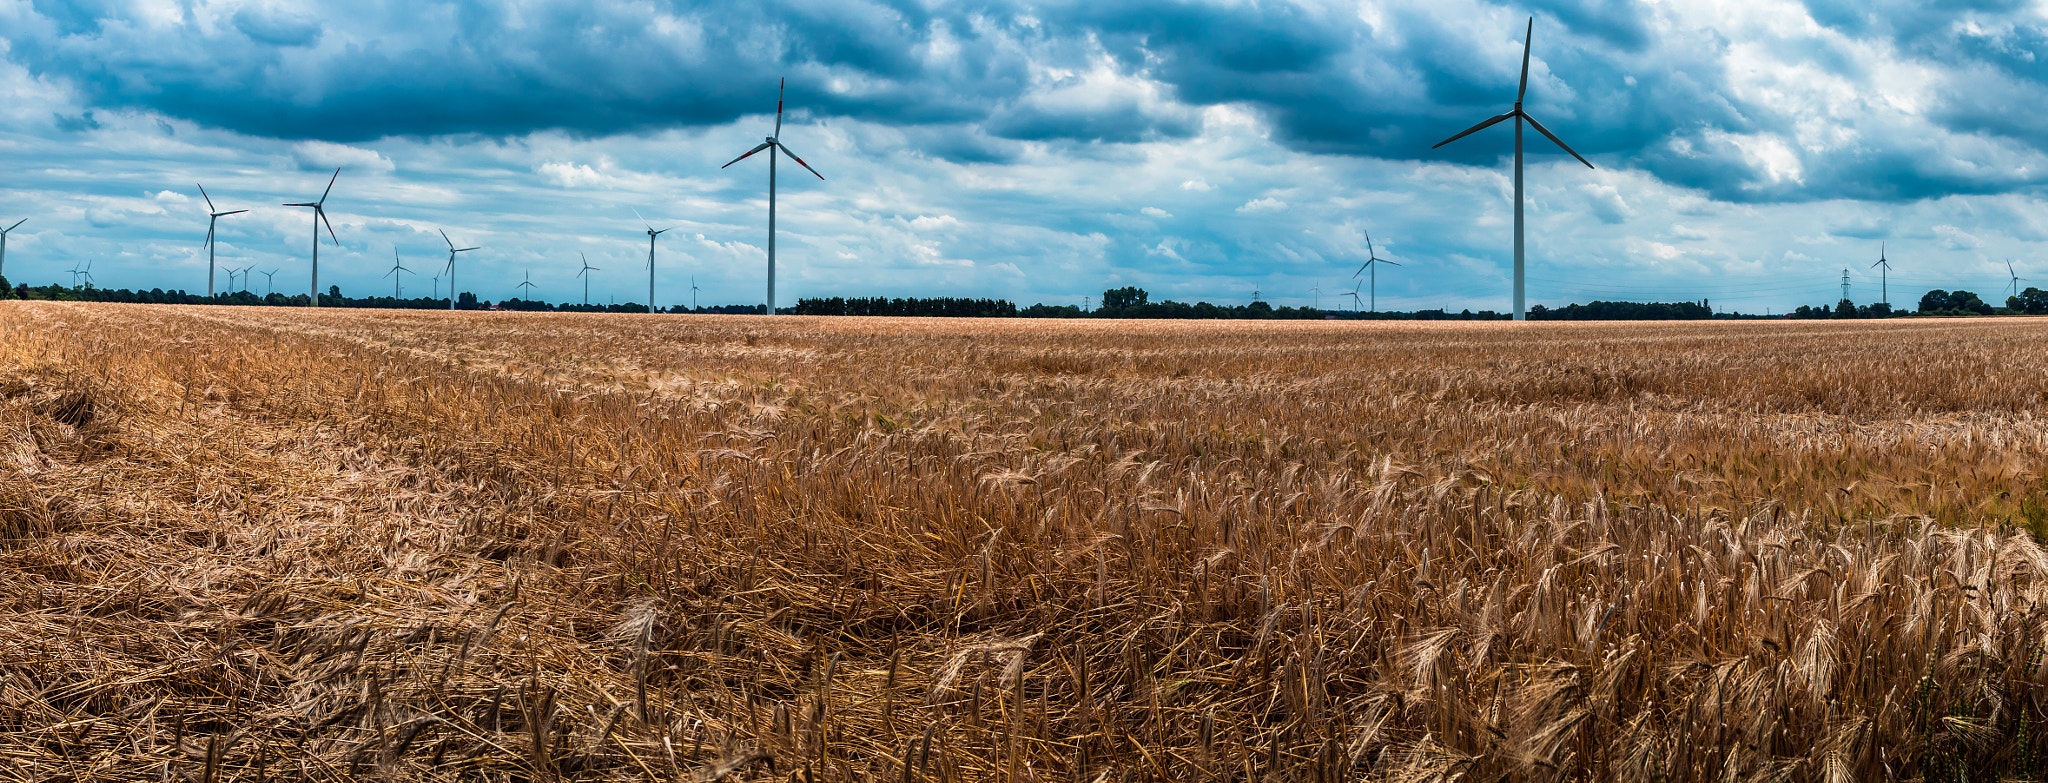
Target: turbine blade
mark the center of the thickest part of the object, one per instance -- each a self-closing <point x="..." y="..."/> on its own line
<point x="209" y="199"/>
<point x="467" y="249"/>
<point x="330" y="226"/>
<point x="209" y="235"/>
<point x="750" y="153"/>
<point x="778" y="105"/>
<point x="302" y="205"/>
<point x="444" y="238"/>
<point x="330" y="185"/>
<point x="17" y="224"/>
<point x="1519" y="92"/>
<point x="1475" y="129"/>
<point x="1361" y="269"/>
<point x="799" y="161"/>
<point x="1560" y="142"/>
<point x="236" y="212"/>
<point x="1384" y="261"/>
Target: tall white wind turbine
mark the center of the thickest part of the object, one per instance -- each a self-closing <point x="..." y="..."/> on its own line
<point x="452" y="250"/>
<point x="3" y="242"/>
<point x="213" y="215"/>
<point x="527" y="286"/>
<point x="1518" y="115"/>
<point x="1371" y="269"/>
<point x="319" y="217"/>
<point x="2016" y="279"/>
<point x="1884" y="268"/>
<point x="774" y="145"/>
<point x="397" y="267"/>
<point x="651" y="234"/>
<point x="585" y="274"/>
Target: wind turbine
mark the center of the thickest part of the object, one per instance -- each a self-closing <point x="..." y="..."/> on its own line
<point x="213" y="215"/>
<point x="1884" y="269"/>
<point x="437" y="286"/>
<point x="1353" y="293"/>
<point x="528" y="285"/>
<point x="86" y="273"/>
<point x="452" y="250"/>
<point x="269" y="283"/>
<point x="651" y="234"/>
<point x="245" y="276"/>
<point x="585" y="274"/>
<point x="2015" y="284"/>
<point x="3" y="242"/>
<point x="319" y="217"/>
<point x="1371" y="266"/>
<point x="774" y="145"/>
<point x="1518" y="115"/>
<point x="396" y="268"/>
<point x="693" y="293"/>
<point x="76" y="270"/>
<point x="1317" y="289"/>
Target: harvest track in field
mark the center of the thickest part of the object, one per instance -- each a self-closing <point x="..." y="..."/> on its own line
<point x="253" y="542"/>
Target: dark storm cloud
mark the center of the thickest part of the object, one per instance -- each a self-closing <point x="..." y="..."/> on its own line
<point x="1614" y="79"/>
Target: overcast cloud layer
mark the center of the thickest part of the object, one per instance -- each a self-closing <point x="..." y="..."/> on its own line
<point x="1747" y="151"/>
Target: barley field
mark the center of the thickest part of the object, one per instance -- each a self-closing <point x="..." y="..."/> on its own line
<point x="242" y="544"/>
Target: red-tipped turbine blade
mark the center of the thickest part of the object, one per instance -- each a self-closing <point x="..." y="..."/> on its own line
<point x="236" y="212"/>
<point x="330" y="226"/>
<point x="1519" y="92"/>
<point x="1474" y="129"/>
<point x="209" y="199"/>
<point x="330" y="185"/>
<point x="750" y="153"/>
<point x="799" y="161"/>
<point x="1560" y="142"/>
<point x="778" y="105"/>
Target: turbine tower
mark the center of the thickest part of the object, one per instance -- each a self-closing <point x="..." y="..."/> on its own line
<point x="693" y="293"/>
<point x="319" y="217"/>
<point x="396" y="268"/>
<point x="2016" y="279"/>
<point x="269" y="283"/>
<point x="651" y="234"/>
<point x="3" y="242"/>
<point x="585" y="274"/>
<point x="213" y="215"/>
<point x="1353" y="293"/>
<point x="452" y="250"/>
<point x="527" y="285"/>
<point x="774" y="145"/>
<point x="1371" y="268"/>
<point x="1884" y="269"/>
<point x="1518" y="115"/>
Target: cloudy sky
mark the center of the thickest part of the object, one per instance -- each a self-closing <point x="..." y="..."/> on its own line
<point x="1747" y="150"/>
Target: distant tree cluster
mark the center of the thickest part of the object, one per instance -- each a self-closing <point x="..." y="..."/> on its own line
<point x="939" y="307"/>
<point x="1624" y="311"/>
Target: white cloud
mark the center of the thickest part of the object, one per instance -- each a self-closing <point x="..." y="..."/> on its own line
<point x="571" y="175"/>
<point x="1263" y="205"/>
<point x="1197" y="185"/>
<point x="1156" y="212"/>
<point x="324" y="155"/>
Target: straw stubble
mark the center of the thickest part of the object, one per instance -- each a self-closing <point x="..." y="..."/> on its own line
<point x="244" y="544"/>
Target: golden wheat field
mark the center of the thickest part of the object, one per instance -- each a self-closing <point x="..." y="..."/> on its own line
<point x="242" y="544"/>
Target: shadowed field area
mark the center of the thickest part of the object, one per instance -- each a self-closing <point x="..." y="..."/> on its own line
<point x="245" y="543"/>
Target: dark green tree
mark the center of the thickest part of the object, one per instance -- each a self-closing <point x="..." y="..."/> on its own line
<point x="1934" y="301"/>
<point x="1127" y="296"/>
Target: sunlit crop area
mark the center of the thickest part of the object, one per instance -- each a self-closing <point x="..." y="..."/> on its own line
<point x="243" y="544"/>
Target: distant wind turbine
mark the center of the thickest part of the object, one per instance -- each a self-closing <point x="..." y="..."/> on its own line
<point x="774" y="145"/>
<point x="3" y="242"/>
<point x="452" y="250"/>
<point x="76" y="270"/>
<point x="585" y="274"/>
<point x="319" y="217"/>
<point x="1317" y="289"/>
<point x="528" y="285"/>
<point x="1884" y="272"/>
<point x="651" y="234"/>
<point x="437" y="286"/>
<point x="693" y="293"/>
<point x="1518" y="115"/>
<point x="1353" y="293"/>
<point x="213" y="215"/>
<point x="2016" y="279"/>
<point x="269" y="283"/>
<point x="1371" y="268"/>
<point x="245" y="277"/>
<point x="396" y="267"/>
